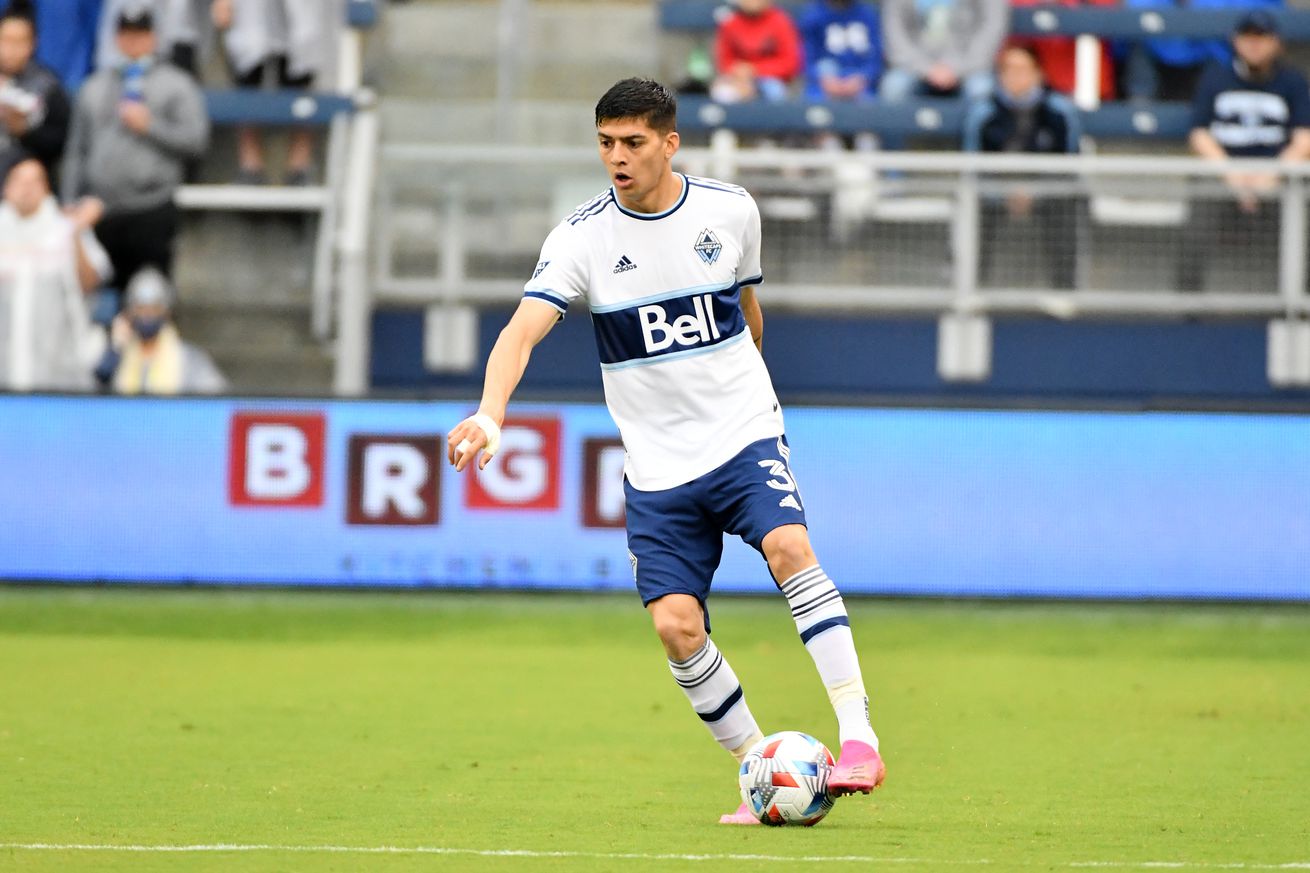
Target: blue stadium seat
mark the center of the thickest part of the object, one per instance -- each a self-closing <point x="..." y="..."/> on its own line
<point x="922" y="117"/>
<point x="309" y="109"/>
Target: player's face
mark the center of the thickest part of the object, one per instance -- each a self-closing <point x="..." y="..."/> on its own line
<point x="636" y="156"/>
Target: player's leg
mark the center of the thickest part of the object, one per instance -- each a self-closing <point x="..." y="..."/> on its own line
<point x="675" y="550"/>
<point x="761" y="503"/>
<point x="703" y="673"/>
<point x="825" y="629"/>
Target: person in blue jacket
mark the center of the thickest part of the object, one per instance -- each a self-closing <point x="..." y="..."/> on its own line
<point x="843" y="49"/>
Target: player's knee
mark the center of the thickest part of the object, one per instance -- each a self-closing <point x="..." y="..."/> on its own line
<point x="680" y="625"/>
<point x="787" y="549"/>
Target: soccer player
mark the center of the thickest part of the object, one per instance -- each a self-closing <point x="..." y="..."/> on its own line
<point x="667" y="265"/>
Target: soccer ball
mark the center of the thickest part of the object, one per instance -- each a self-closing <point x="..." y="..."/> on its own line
<point x="784" y="779"/>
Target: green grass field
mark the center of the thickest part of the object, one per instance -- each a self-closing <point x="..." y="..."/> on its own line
<point x="543" y="733"/>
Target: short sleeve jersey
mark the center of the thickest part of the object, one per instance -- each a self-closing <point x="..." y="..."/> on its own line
<point x="1251" y="119"/>
<point x="683" y="380"/>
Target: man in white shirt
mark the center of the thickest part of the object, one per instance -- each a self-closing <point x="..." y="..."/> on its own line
<point x="667" y="265"/>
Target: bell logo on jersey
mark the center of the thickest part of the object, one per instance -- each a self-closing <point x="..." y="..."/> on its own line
<point x="686" y="330"/>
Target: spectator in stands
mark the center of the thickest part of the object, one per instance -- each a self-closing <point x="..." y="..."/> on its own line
<point x="843" y="49"/>
<point x="1024" y="115"/>
<point x="757" y="54"/>
<point x="134" y="128"/>
<point x="66" y="36"/>
<point x="181" y="27"/>
<point x="1057" y="54"/>
<point x="33" y="107"/>
<point x="1253" y="107"/>
<point x="48" y="260"/>
<point x="1170" y="67"/>
<point x="279" y="41"/>
<point x="941" y="48"/>
<point x="147" y="354"/>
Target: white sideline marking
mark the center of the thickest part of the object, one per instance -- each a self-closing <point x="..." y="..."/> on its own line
<point x="627" y="856"/>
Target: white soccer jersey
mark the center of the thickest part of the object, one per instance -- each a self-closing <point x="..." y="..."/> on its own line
<point x="683" y="380"/>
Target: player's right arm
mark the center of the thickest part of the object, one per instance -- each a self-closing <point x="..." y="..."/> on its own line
<point x="560" y="279"/>
<point x="509" y="358"/>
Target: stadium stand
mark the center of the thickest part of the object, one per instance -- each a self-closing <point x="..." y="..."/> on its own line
<point x="871" y="236"/>
<point x="288" y="304"/>
<point x="936" y="118"/>
<point x="276" y="280"/>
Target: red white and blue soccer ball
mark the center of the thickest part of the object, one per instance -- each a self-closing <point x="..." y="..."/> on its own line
<point x="784" y="779"/>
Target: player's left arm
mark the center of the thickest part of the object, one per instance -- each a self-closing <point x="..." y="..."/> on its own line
<point x="749" y="271"/>
<point x="750" y="308"/>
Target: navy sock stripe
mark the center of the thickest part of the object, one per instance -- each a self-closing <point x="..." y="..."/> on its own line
<point x="799" y="605"/>
<point x="724" y="708"/>
<point x="801" y="578"/>
<point x="704" y="677"/>
<point x="813" y="605"/>
<point x="693" y="660"/>
<point x="808" y="587"/>
<point x="804" y="576"/>
<point x="827" y="624"/>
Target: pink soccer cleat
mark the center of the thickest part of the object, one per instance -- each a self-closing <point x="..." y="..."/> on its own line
<point x="859" y="768"/>
<point x="743" y="816"/>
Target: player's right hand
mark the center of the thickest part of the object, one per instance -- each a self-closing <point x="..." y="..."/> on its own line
<point x="466" y="441"/>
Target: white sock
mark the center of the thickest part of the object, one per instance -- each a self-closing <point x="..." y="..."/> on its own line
<point x="820" y="616"/>
<point x="716" y="696"/>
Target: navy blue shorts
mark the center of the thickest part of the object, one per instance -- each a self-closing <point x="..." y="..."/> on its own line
<point x="675" y="536"/>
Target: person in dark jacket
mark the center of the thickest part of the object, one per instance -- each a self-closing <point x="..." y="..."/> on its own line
<point x="1254" y="107"/>
<point x="33" y="106"/>
<point x="1026" y="116"/>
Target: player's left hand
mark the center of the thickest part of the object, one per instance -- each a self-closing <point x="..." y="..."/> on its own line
<point x="477" y="433"/>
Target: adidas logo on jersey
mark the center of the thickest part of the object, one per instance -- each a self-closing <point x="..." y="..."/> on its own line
<point x="624" y="265"/>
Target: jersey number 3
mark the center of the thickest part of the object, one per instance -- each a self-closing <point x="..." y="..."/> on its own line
<point x="782" y="481"/>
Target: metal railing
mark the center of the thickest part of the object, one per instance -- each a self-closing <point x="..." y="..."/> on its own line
<point x="961" y="236"/>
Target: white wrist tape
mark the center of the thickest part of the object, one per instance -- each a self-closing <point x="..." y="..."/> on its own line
<point x="491" y="429"/>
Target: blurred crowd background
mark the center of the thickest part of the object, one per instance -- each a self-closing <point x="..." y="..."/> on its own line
<point x="175" y="177"/>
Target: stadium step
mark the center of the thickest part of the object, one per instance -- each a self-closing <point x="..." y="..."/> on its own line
<point x="536" y="122"/>
<point x="243" y="295"/>
<point x="449" y="50"/>
<point x="260" y="347"/>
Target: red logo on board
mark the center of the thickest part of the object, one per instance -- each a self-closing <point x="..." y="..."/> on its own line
<point x="394" y="480"/>
<point x="276" y="459"/>
<point x="525" y="473"/>
<point x="603" y="502"/>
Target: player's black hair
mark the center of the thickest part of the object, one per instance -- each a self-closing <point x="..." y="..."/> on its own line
<point x="640" y="98"/>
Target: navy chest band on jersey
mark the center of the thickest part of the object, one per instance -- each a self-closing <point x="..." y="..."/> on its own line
<point x="645" y="332"/>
